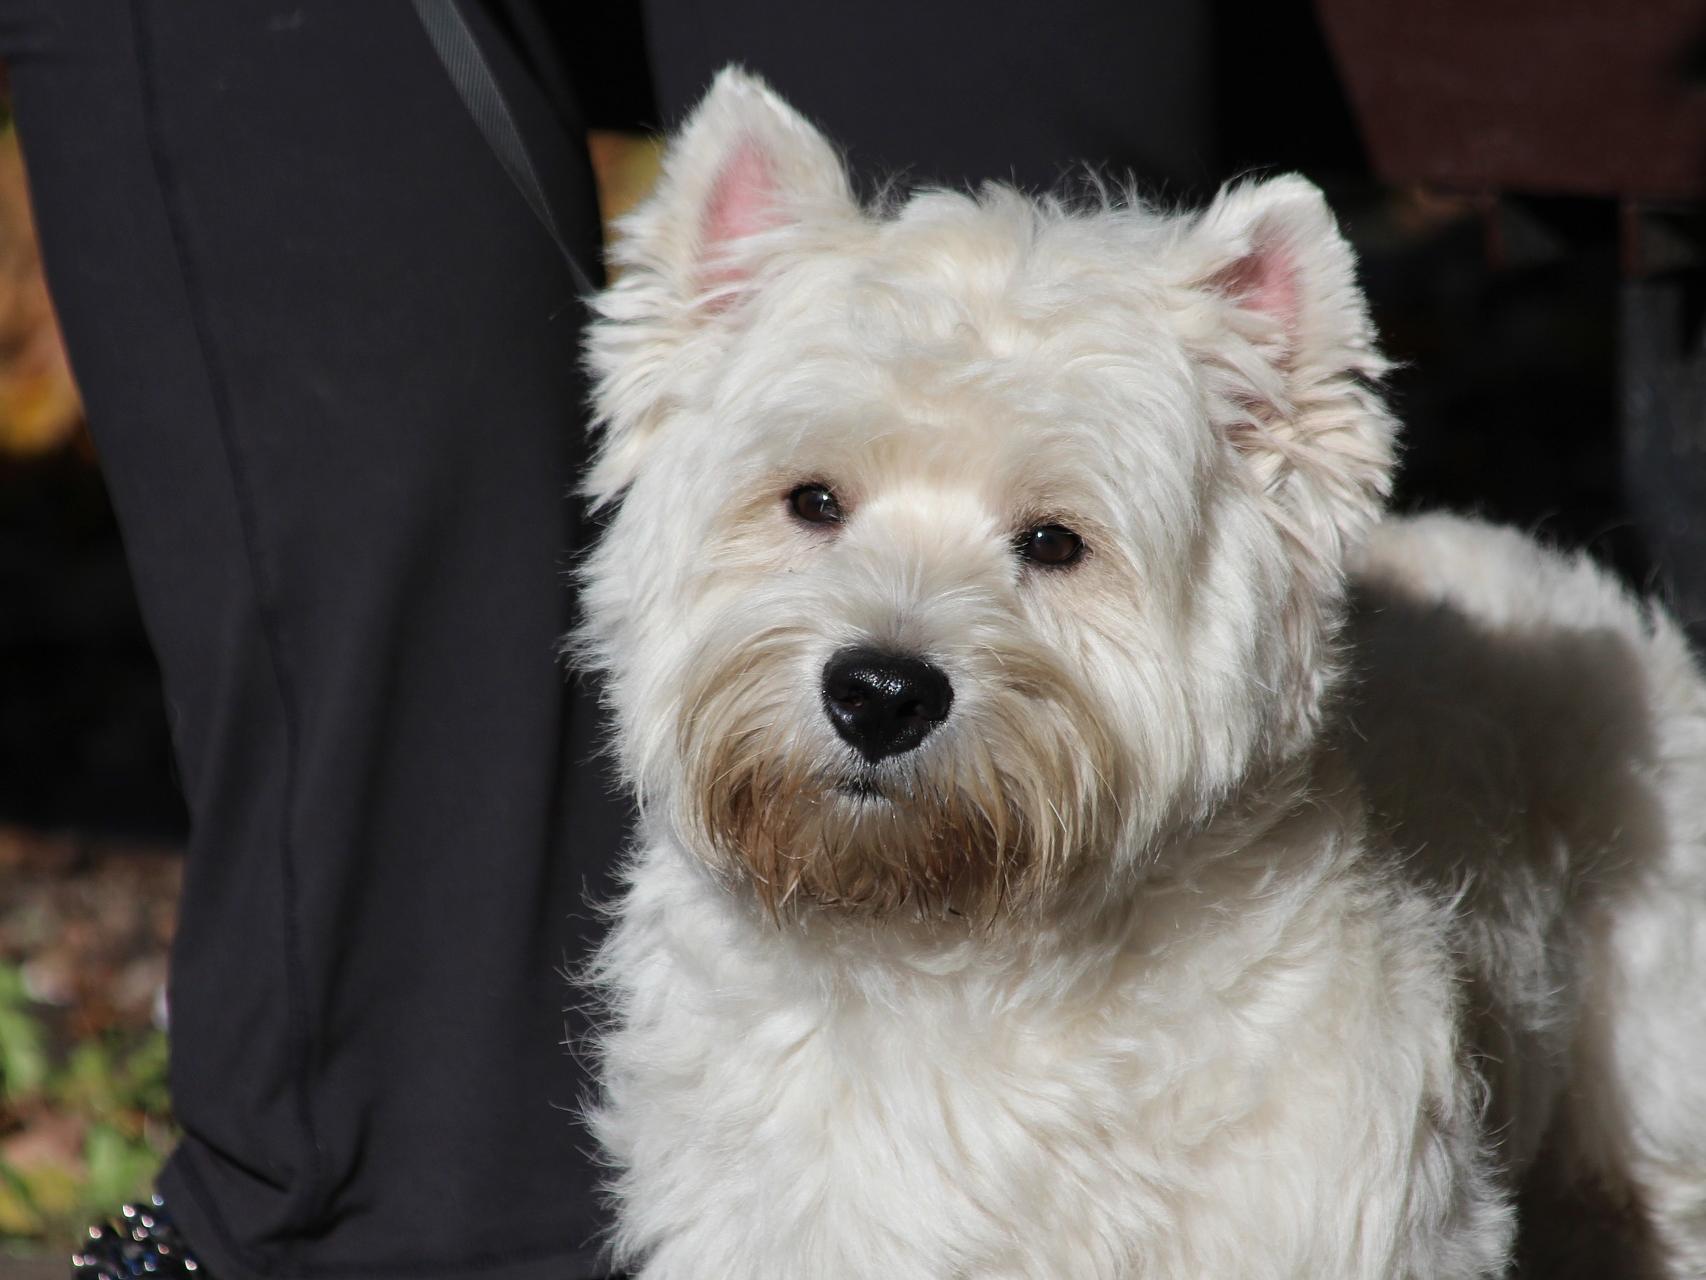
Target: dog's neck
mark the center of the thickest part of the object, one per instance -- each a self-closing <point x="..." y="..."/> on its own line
<point x="1268" y="839"/>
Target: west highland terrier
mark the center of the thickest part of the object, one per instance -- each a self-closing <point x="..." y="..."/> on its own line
<point x="1081" y="836"/>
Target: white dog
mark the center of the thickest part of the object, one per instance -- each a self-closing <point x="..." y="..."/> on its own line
<point x="1081" y="838"/>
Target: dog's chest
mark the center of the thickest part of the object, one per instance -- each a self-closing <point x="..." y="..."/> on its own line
<point x="958" y="1118"/>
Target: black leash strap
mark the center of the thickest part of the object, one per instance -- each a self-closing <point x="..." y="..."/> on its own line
<point x="453" y="40"/>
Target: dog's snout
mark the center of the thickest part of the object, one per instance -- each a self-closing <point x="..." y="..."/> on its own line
<point x="884" y="703"/>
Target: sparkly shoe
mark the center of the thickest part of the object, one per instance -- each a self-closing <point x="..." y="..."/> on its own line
<point x="143" y="1243"/>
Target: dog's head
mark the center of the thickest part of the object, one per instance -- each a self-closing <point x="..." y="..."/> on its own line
<point x="965" y="548"/>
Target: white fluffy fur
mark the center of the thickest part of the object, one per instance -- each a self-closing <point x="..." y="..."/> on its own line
<point x="1355" y="870"/>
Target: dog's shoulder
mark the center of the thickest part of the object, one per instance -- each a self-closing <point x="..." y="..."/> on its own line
<point x="1499" y="694"/>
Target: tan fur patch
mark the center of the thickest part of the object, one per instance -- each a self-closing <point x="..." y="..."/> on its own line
<point x="991" y="833"/>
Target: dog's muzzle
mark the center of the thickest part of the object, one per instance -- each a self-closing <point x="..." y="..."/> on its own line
<point x="883" y="704"/>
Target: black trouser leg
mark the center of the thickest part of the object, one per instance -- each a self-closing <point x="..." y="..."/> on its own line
<point x="330" y="364"/>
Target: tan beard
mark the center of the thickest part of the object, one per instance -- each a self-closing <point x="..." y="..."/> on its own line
<point x="995" y="838"/>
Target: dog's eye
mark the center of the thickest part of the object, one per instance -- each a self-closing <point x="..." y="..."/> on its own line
<point x="1051" y="544"/>
<point x="815" y="504"/>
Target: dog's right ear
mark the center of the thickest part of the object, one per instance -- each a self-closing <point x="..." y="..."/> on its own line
<point x="741" y="182"/>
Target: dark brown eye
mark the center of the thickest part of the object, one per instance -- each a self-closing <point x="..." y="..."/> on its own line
<point x="1051" y="544"/>
<point x="815" y="504"/>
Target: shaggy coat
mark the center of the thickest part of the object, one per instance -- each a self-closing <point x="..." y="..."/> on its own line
<point x="1287" y="886"/>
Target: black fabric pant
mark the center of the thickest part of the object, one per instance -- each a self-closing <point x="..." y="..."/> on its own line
<point x="330" y="362"/>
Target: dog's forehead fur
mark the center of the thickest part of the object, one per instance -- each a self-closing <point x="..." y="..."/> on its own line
<point x="975" y="344"/>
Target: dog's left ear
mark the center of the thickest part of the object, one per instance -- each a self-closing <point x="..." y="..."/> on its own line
<point x="746" y="183"/>
<point x="1280" y="334"/>
<point x="1283" y="334"/>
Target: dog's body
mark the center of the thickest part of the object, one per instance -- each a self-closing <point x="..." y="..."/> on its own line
<point x="1184" y="914"/>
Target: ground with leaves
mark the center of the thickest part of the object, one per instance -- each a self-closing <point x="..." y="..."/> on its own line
<point x="84" y="1114"/>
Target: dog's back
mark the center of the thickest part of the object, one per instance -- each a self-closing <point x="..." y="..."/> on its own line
<point x="1535" y="740"/>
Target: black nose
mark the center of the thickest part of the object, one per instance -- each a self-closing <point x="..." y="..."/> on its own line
<point x="881" y="703"/>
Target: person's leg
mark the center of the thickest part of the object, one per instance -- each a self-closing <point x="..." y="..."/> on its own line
<point x="963" y="92"/>
<point x="330" y="361"/>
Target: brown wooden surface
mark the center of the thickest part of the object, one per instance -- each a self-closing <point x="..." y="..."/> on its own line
<point x="1582" y="97"/>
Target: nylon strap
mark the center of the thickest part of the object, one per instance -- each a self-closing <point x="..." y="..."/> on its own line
<point x="453" y="40"/>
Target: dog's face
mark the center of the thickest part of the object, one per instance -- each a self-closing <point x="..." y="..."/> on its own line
<point x="969" y="550"/>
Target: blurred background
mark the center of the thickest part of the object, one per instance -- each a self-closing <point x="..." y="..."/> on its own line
<point x="1523" y="182"/>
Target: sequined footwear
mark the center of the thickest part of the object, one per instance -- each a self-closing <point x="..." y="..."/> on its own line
<point x="144" y="1242"/>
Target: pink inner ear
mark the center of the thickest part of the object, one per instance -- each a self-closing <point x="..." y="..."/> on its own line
<point x="1264" y="280"/>
<point x="742" y="203"/>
